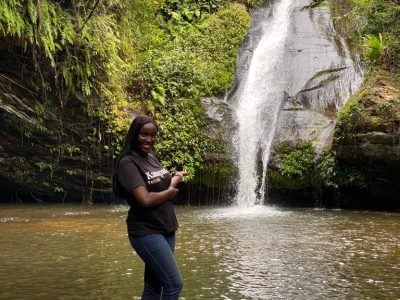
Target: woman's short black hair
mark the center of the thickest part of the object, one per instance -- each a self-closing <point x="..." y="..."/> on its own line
<point x="130" y="145"/>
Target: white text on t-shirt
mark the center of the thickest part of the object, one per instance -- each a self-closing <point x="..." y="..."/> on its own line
<point x="160" y="173"/>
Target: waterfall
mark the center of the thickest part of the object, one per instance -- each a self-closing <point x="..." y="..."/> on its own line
<point x="258" y="101"/>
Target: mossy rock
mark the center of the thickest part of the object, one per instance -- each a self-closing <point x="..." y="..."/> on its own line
<point x="367" y="137"/>
<point x="376" y="107"/>
<point x="369" y="125"/>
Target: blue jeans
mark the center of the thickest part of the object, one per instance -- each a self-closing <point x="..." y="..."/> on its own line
<point x="162" y="279"/>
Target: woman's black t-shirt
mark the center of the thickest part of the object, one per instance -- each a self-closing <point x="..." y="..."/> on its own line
<point x="135" y="170"/>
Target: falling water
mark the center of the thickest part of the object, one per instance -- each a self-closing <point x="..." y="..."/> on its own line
<point x="259" y="100"/>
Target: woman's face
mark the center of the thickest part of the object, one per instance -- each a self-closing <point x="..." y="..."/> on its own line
<point x="147" y="138"/>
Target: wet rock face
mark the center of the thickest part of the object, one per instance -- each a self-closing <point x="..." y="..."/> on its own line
<point x="318" y="69"/>
<point x="321" y="77"/>
<point x="46" y="154"/>
<point x="219" y="116"/>
<point x="220" y="126"/>
<point x="374" y="146"/>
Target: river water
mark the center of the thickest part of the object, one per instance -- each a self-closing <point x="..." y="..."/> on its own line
<point x="82" y="252"/>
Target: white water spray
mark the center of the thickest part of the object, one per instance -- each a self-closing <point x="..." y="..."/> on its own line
<point x="260" y="98"/>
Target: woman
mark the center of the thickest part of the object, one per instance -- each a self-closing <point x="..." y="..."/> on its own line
<point x="148" y="189"/>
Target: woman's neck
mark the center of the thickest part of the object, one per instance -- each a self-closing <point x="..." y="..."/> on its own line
<point x="142" y="154"/>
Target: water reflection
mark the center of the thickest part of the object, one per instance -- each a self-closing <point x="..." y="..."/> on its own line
<point x="59" y="252"/>
<point x="272" y="254"/>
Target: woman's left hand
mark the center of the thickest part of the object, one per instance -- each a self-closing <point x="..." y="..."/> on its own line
<point x="177" y="177"/>
<point x="181" y="173"/>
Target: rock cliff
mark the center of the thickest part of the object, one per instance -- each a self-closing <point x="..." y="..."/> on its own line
<point x="367" y="138"/>
<point x="48" y="151"/>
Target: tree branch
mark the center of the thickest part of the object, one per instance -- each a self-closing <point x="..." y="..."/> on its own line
<point x="90" y="15"/>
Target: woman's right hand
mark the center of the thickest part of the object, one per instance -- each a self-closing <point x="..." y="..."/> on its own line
<point x="172" y="191"/>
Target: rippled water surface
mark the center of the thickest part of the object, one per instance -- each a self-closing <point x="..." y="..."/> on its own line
<point x="81" y="252"/>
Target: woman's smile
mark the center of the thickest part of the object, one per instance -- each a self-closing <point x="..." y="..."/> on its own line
<point x="147" y="138"/>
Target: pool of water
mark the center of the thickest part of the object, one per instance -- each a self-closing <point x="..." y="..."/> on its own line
<point x="82" y="252"/>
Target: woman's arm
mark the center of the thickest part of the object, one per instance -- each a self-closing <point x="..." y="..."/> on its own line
<point x="177" y="178"/>
<point x="147" y="199"/>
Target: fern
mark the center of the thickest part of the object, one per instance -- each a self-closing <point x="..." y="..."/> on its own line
<point x="374" y="46"/>
<point x="11" y="18"/>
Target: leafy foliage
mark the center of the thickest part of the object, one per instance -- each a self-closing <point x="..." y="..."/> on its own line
<point x="297" y="158"/>
<point x="376" y="107"/>
<point x="374" y="48"/>
<point x="97" y="64"/>
<point x="374" y="24"/>
<point x="327" y="168"/>
<point x="194" y="61"/>
<point x="301" y="169"/>
<point x="188" y="10"/>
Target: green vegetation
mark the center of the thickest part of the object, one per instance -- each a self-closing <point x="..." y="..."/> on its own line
<point x="374" y="48"/>
<point x="373" y="27"/>
<point x="296" y="166"/>
<point x="300" y="169"/>
<point x="196" y="59"/>
<point x="376" y="107"/>
<point x="93" y="65"/>
<point x="297" y="159"/>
